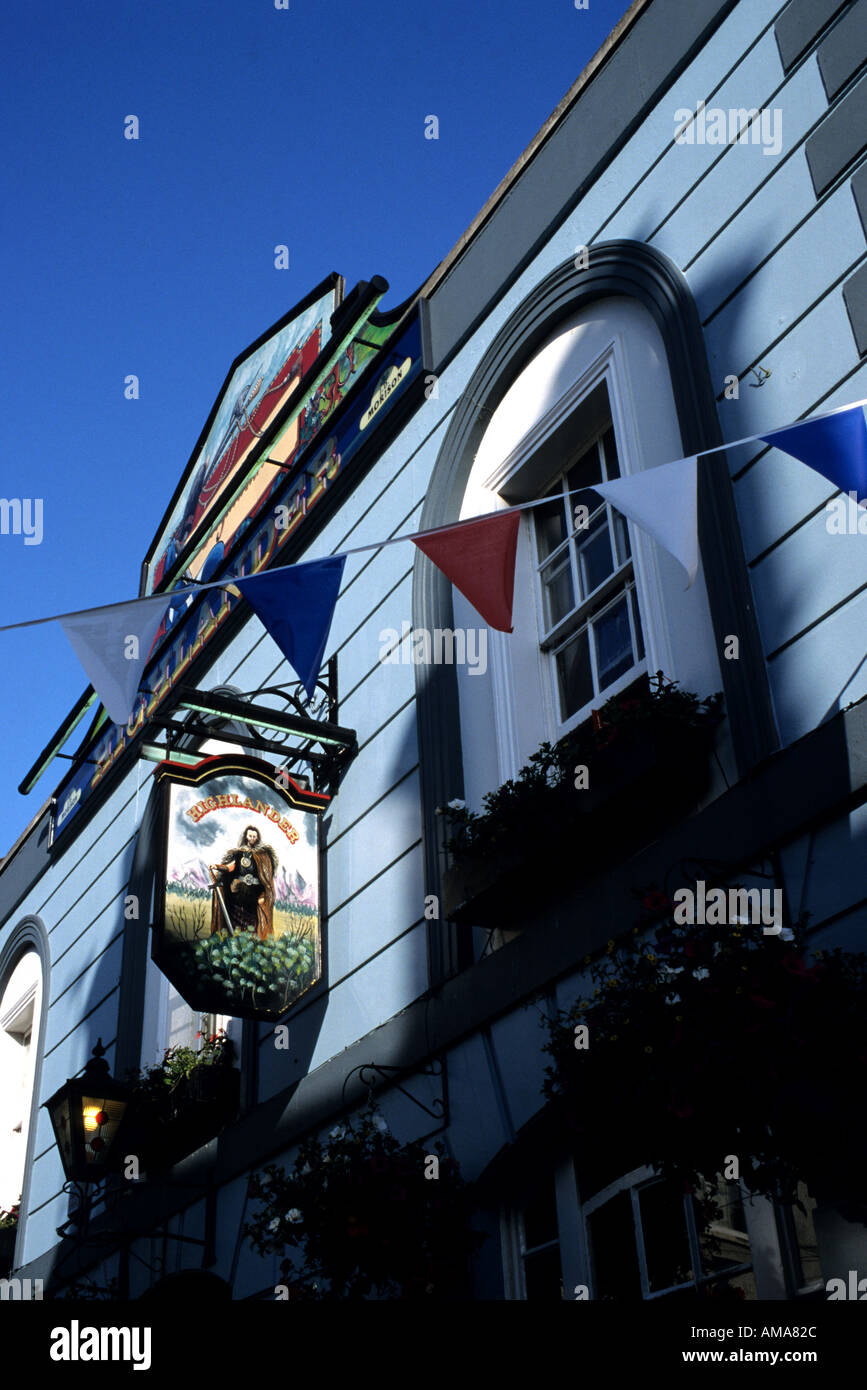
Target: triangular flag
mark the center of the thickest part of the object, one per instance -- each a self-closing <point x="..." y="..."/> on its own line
<point x="113" y="645"/>
<point x="835" y="446"/>
<point x="662" y="501"/>
<point x="479" y="558"/>
<point x="296" y="605"/>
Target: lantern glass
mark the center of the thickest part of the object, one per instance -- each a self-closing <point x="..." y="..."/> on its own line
<point x="86" y="1115"/>
<point x="100" y="1118"/>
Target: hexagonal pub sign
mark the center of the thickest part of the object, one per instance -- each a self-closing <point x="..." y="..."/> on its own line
<point x="237" y="926"/>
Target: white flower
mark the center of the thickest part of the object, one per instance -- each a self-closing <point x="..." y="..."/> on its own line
<point x="305" y="1170"/>
<point x="787" y="934"/>
<point x="379" y="1123"/>
<point x="672" y="999"/>
<point x="275" y="1224"/>
<point x="337" y="1132"/>
<point x="457" y="805"/>
<point x="294" y="1215"/>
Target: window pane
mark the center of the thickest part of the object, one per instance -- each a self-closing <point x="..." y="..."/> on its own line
<point x="636" y="626"/>
<point x="542" y="1275"/>
<point x="613" y="643"/>
<point x="666" y="1244"/>
<point x="805" y="1237"/>
<point x="583" y="474"/>
<point x="595" y="561"/>
<point x="559" y="594"/>
<point x="621" y="537"/>
<point x="612" y="1247"/>
<point x="540" y="1217"/>
<point x="725" y="1242"/>
<point x="574" y="675"/>
<point x="551" y="524"/>
<point x="609" y="449"/>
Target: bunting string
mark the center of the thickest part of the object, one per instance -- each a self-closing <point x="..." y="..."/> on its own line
<point x="296" y="602"/>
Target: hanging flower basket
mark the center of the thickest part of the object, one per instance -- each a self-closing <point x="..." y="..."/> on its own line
<point x="648" y="761"/>
<point x="715" y="1042"/>
<point x="181" y="1104"/>
<point x="369" y="1217"/>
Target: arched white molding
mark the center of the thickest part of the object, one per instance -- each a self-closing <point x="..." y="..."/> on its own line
<point x="613" y="340"/>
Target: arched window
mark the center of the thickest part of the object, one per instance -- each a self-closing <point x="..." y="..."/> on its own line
<point x="524" y="420"/>
<point x="20" y="1015"/>
<point x="597" y="603"/>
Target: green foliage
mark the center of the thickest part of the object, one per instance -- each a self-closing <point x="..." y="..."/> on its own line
<point x="542" y="792"/>
<point x="88" y="1290"/>
<point x="710" y="1041"/>
<point x="9" y="1219"/>
<point x="365" y="1219"/>
<point x="180" y="1063"/>
<point x="268" y="975"/>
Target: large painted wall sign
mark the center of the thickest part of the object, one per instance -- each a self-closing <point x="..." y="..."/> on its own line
<point x="236" y="924"/>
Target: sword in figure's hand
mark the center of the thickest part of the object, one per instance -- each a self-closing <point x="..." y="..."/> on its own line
<point x="219" y="892"/>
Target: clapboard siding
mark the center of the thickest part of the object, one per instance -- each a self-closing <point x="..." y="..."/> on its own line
<point x="380" y="913"/>
<point x="748" y="202"/>
<point x="373" y="994"/>
<point x="697" y="187"/>
<point x="821" y="672"/>
<point x="790" y="283"/>
<point x="383" y="763"/>
<point x="773" y="491"/>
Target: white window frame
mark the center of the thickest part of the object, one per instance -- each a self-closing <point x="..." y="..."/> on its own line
<point x="20" y="1014"/>
<point x="621" y="581"/>
<point x="609" y="368"/>
<point x="770" y="1260"/>
<point x="515" y="707"/>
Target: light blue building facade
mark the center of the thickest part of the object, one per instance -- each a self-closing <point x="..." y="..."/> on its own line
<point x="658" y="275"/>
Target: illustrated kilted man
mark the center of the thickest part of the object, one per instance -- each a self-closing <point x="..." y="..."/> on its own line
<point x="244" y="887"/>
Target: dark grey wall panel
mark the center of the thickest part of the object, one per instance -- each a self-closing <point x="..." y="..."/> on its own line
<point x="859" y="191"/>
<point x="657" y="48"/>
<point x="844" y="50"/>
<point x="800" y="24"/>
<point x="855" y="296"/>
<point x="24" y="868"/>
<point x="839" y="139"/>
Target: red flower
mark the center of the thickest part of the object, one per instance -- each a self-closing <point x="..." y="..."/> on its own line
<point x="762" y="1002"/>
<point x="654" y="901"/>
<point x="794" y="964"/>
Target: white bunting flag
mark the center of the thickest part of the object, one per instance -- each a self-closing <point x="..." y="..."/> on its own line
<point x="113" y="644"/>
<point x="663" y="502"/>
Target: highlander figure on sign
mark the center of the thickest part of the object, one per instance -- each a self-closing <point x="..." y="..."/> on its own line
<point x="243" y="892"/>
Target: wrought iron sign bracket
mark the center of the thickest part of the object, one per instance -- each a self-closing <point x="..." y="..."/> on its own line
<point x="292" y="736"/>
<point x="77" y="1231"/>
<point x="434" y="1068"/>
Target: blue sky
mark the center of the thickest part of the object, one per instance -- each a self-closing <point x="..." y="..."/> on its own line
<point x="258" y="127"/>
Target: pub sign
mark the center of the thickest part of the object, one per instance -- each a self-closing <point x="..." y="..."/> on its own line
<point x="237" y="925"/>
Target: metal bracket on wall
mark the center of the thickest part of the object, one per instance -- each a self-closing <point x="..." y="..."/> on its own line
<point x="119" y="1239"/>
<point x="435" y="1068"/>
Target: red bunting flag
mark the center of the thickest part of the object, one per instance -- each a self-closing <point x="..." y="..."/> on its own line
<point x="479" y="558"/>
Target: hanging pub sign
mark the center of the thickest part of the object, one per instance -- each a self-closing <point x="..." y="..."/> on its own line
<point x="236" y="923"/>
